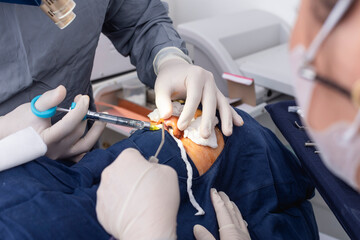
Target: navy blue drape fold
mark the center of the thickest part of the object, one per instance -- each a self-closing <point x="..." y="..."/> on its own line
<point x="45" y="199"/>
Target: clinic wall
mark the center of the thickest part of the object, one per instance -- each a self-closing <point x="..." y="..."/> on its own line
<point x="188" y="10"/>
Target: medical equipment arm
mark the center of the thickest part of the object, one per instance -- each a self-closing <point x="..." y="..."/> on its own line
<point x="138" y="199"/>
<point x="63" y="139"/>
<point x="231" y="224"/>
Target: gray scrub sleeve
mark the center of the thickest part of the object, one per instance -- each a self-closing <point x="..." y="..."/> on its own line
<point x="141" y="28"/>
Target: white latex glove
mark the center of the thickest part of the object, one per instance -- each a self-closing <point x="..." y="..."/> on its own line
<point x="137" y="199"/>
<point x="178" y="79"/>
<point x="232" y="225"/>
<point x="63" y="139"/>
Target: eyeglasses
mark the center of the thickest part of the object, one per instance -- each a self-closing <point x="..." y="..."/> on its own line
<point x="308" y="73"/>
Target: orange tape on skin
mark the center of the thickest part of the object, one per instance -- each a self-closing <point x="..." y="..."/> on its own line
<point x="202" y="156"/>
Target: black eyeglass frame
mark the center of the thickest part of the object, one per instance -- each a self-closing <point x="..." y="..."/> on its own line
<point x="308" y="72"/>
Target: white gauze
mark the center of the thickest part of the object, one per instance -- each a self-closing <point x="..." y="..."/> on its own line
<point x="193" y="130"/>
<point x="189" y="170"/>
<point x="177" y="109"/>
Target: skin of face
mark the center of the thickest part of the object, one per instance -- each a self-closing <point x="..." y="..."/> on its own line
<point x="338" y="59"/>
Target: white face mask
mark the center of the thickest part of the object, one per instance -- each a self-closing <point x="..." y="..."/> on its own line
<point x="340" y="143"/>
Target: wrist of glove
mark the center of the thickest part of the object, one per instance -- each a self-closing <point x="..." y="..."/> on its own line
<point x="30" y="143"/>
<point x="169" y="53"/>
<point x="137" y="199"/>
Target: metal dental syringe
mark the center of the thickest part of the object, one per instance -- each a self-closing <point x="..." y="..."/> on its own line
<point x="104" y="117"/>
<point x="123" y="121"/>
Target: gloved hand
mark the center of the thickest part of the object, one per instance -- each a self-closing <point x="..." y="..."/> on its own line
<point x="63" y="139"/>
<point x="232" y="225"/>
<point x="137" y="199"/>
<point x="178" y="79"/>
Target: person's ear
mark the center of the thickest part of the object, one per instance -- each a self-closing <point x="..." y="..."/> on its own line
<point x="355" y="93"/>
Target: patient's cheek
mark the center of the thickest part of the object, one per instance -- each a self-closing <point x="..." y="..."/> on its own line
<point x="358" y="177"/>
<point x="202" y="156"/>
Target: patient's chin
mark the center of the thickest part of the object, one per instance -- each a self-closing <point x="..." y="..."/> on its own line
<point x="202" y="156"/>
